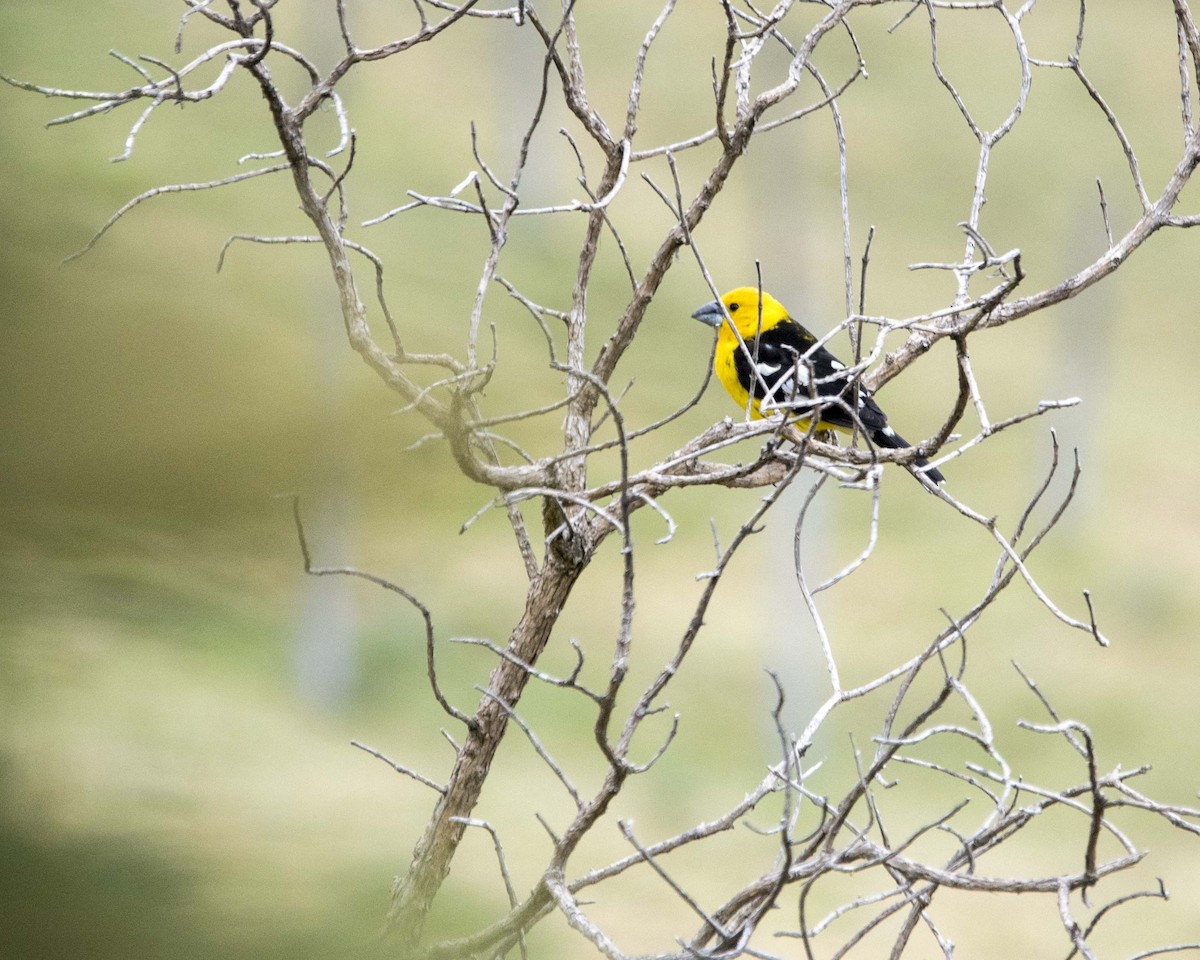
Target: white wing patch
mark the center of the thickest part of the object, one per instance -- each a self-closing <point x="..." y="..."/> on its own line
<point x="790" y="388"/>
<point x="768" y="371"/>
<point x="781" y="383"/>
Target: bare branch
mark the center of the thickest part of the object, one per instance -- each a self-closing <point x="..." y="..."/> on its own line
<point x="399" y="591"/>
<point x="399" y="768"/>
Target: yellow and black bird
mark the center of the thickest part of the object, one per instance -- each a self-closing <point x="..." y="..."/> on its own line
<point x="780" y="369"/>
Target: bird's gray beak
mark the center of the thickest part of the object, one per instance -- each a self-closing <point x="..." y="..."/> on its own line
<point x="712" y="313"/>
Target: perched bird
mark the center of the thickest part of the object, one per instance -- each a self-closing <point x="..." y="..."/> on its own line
<point x="780" y="368"/>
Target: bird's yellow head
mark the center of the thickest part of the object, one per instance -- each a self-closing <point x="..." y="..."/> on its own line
<point x="750" y="314"/>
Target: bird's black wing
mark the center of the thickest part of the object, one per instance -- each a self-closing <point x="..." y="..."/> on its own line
<point x="794" y="374"/>
<point x="785" y="370"/>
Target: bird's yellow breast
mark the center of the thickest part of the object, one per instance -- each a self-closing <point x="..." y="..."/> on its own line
<point x="726" y="371"/>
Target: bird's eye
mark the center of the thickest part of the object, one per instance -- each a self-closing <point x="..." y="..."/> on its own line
<point x="733" y="308"/>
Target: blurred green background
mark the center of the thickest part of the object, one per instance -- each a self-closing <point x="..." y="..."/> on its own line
<point x="177" y="699"/>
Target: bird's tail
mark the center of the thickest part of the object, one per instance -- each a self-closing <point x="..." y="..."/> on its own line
<point x="890" y="439"/>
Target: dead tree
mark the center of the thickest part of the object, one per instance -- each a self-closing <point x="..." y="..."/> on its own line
<point x="767" y="71"/>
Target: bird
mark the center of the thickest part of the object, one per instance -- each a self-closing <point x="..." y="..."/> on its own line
<point x="772" y="364"/>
